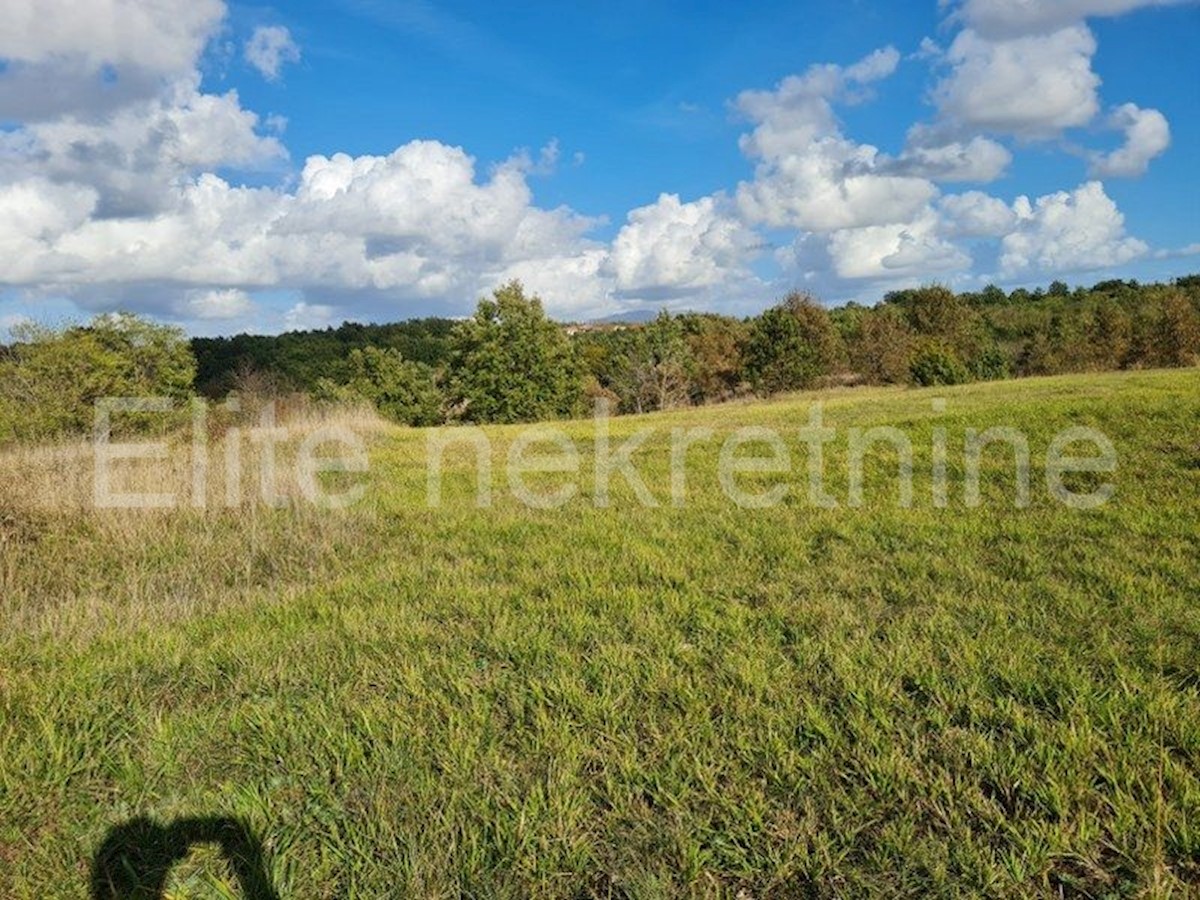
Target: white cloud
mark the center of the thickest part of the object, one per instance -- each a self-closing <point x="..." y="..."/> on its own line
<point x="1147" y="135"/>
<point x="799" y="111"/>
<point x="63" y="56"/>
<point x="308" y="316"/>
<point x="1032" y="86"/>
<point x="572" y="285"/>
<point x="1173" y="253"/>
<point x="227" y="303"/>
<point x="975" y="214"/>
<point x="34" y="215"/>
<point x="134" y="156"/>
<point x="809" y="175"/>
<point x="165" y="36"/>
<point x="671" y="247"/>
<point x="269" y="48"/>
<point x="416" y="222"/>
<point x="108" y="191"/>
<point x="1065" y="232"/>
<point x="1025" y="68"/>
<point x="895" y="251"/>
<point x="1006" y="18"/>
<point x="978" y="159"/>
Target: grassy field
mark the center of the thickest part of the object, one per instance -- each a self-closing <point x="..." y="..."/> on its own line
<point x="706" y="700"/>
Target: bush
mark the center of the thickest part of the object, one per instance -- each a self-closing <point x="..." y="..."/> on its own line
<point x="400" y="389"/>
<point x="990" y="364"/>
<point x="656" y="371"/>
<point x="937" y="364"/>
<point x="50" y="380"/>
<point x="1177" y="335"/>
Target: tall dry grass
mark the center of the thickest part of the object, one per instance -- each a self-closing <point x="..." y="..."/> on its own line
<point x="70" y="565"/>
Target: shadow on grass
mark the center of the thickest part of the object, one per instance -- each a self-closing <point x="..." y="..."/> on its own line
<point x="136" y="857"/>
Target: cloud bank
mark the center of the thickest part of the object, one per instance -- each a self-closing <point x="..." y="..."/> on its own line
<point x="120" y="184"/>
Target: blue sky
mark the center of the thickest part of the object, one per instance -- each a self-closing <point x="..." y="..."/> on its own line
<point x="235" y="167"/>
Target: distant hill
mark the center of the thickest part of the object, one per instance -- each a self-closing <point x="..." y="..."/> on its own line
<point x="629" y="317"/>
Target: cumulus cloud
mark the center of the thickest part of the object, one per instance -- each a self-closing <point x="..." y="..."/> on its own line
<point x="61" y="56"/>
<point x="670" y="247"/>
<point x="976" y="214"/>
<point x="1025" y="69"/>
<point x="165" y="36"/>
<point x="810" y="176"/>
<point x="227" y="303"/>
<point x="1064" y="232"/>
<point x="307" y="316"/>
<point x="1032" y="86"/>
<point x="416" y="221"/>
<point x="895" y="251"/>
<point x="109" y="192"/>
<point x="269" y="49"/>
<point x="978" y="159"/>
<point x="1006" y="19"/>
<point x="1147" y="135"/>
<point x="133" y="156"/>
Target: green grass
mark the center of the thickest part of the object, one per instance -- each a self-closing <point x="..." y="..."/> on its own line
<point x="627" y="702"/>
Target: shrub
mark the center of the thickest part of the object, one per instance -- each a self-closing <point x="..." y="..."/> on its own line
<point x="716" y="344"/>
<point x="50" y="380"/>
<point x="990" y="364"/>
<point x="656" y="371"/>
<point x="937" y="364"/>
<point x="400" y="389"/>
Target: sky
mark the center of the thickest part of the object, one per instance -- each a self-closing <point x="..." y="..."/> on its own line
<point x="232" y="167"/>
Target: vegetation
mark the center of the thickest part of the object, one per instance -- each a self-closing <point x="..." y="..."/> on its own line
<point x="299" y="360"/>
<point x="791" y="346"/>
<point x="399" y="389"/>
<point x="509" y="363"/>
<point x="481" y="369"/>
<point x="50" y="380"/>
<point x="865" y="701"/>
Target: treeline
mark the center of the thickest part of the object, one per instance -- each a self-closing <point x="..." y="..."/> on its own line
<point x="298" y="360"/>
<point x="510" y="363"/>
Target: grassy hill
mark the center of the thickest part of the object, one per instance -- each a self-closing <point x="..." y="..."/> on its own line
<point x="703" y="700"/>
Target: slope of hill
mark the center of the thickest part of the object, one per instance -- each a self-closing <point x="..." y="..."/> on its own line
<point x="699" y="699"/>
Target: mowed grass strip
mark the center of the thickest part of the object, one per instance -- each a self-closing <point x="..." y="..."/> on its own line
<point x="640" y="702"/>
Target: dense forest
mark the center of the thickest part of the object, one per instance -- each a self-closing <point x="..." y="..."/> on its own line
<point x="299" y="359"/>
<point x="510" y="363"/>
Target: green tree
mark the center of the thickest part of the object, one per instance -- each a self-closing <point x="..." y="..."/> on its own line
<point x="791" y="345"/>
<point x="657" y="370"/>
<point x="992" y="296"/>
<point x="1175" y="332"/>
<point x="509" y="363"/>
<point x="400" y="389"/>
<point x="1109" y="335"/>
<point x="938" y="314"/>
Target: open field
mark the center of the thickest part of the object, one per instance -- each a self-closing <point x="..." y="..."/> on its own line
<point x="702" y="700"/>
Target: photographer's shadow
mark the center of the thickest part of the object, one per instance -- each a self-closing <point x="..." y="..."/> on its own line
<point x="137" y="856"/>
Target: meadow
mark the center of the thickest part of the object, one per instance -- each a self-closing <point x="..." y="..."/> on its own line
<point x="702" y="700"/>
